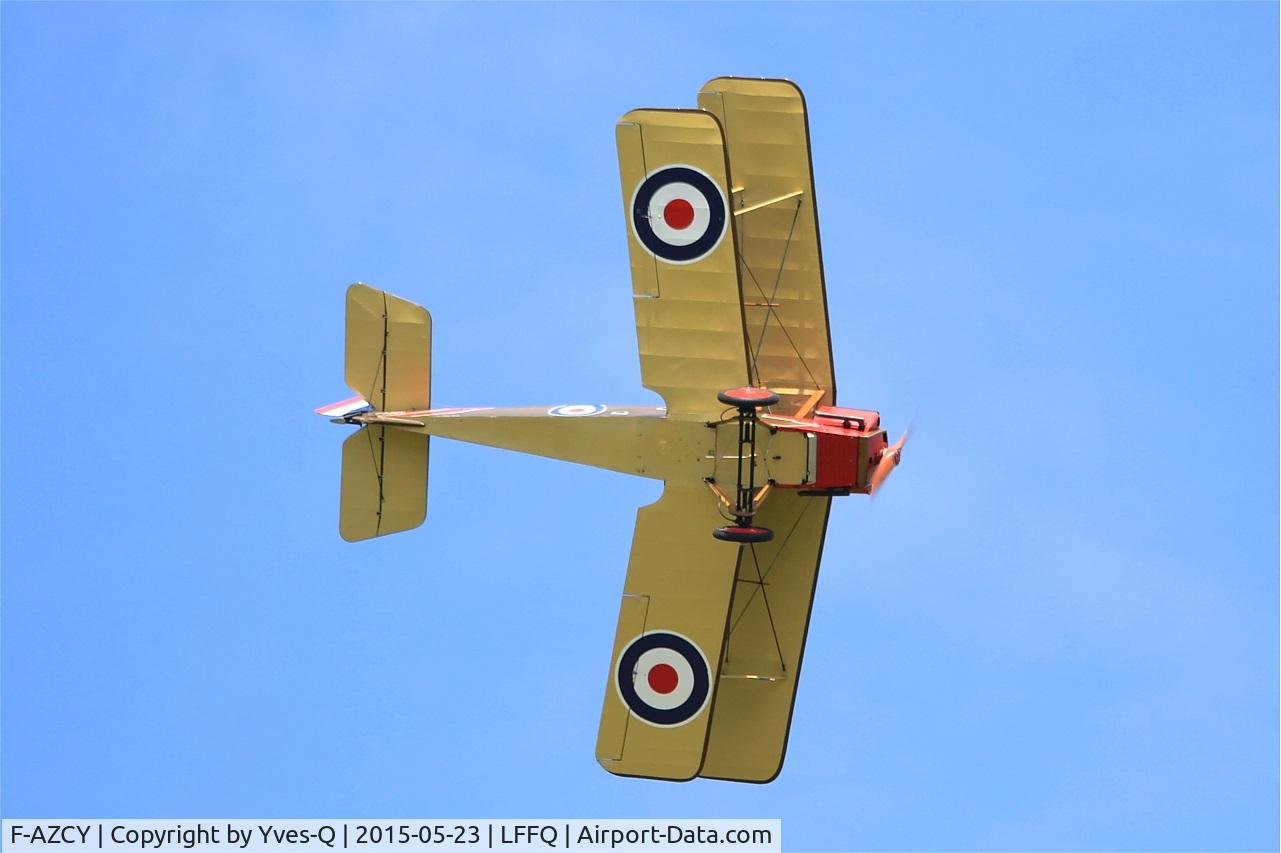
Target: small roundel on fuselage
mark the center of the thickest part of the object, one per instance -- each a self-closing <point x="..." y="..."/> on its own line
<point x="679" y="214"/>
<point x="577" y="410"/>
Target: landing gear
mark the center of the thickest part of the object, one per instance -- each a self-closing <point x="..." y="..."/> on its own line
<point x="747" y="400"/>
<point x="743" y="535"/>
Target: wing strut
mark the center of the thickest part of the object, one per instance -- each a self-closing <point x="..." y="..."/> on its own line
<point x="760" y="584"/>
<point x="770" y="303"/>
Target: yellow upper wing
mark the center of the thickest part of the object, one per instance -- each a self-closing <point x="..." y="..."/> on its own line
<point x="776" y="224"/>
<point x="768" y="623"/>
<point x="664" y="670"/>
<point x="689" y="313"/>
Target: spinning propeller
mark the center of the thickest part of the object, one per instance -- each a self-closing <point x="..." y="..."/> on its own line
<point x="890" y="458"/>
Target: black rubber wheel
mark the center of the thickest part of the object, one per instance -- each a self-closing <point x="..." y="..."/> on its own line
<point x="743" y="534"/>
<point x="747" y="397"/>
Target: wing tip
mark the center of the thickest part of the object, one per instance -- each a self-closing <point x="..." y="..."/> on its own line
<point x="614" y="771"/>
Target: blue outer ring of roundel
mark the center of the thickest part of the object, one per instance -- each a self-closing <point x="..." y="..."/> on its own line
<point x="715" y="208"/>
<point x="683" y="712"/>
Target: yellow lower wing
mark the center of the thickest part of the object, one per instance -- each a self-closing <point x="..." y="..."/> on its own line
<point x="663" y="675"/>
<point x="689" y="312"/>
<point x="768" y="623"/>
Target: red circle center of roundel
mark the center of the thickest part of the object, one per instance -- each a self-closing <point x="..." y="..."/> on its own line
<point x="678" y="213"/>
<point x="662" y="678"/>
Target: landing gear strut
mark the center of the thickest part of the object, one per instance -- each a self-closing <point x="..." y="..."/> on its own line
<point x="747" y="401"/>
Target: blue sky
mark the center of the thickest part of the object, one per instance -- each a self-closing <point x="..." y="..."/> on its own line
<point x="1050" y="230"/>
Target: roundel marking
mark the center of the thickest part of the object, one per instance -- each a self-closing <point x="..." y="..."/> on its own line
<point x="663" y="678"/>
<point x="580" y="410"/>
<point x="679" y="214"/>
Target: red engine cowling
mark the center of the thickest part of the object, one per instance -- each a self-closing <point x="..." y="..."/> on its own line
<point x="847" y="445"/>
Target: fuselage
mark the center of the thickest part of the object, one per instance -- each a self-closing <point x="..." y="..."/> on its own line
<point x="832" y="452"/>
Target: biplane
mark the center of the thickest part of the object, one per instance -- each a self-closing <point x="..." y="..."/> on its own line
<point x="732" y="326"/>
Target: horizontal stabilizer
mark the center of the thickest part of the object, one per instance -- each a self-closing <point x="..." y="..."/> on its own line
<point x="388" y="350"/>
